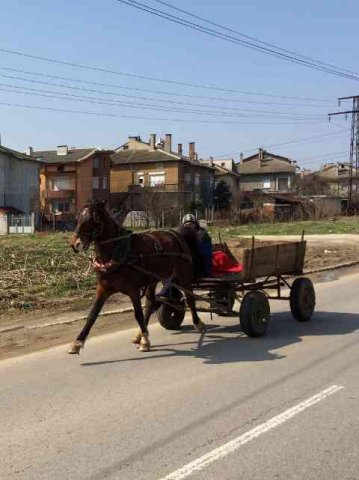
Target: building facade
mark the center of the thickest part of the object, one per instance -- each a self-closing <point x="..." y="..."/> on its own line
<point x="266" y="172"/>
<point x="225" y="170"/>
<point x="337" y="176"/>
<point x="70" y="177"/>
<point x="19" y="181"/>
<point x="142" y="169"/>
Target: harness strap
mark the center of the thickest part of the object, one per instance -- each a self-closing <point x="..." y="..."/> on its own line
<point x="181" y="241"/>
<point x="156" y="242"/>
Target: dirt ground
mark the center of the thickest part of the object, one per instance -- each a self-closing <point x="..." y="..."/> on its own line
<point x="24" y="338"/>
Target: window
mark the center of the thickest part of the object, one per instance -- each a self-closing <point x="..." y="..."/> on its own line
<point x="95" y="183"/>
<point x="104" y="183"/>
<point x="197" y="179"/>
<point x="62" y="183"/>
<point x="60" y="207"/>
<point x="223" y="164"/>
<point x="187" y="179"/>
<point x="266" y="183"/>
<point x="157" y="179"/>
<point x="283" y="183"/>
<point x="96" y="162"/>
<point x="140" y="179"/>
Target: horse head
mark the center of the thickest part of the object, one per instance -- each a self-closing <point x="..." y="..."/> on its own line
<point x="91" y="223"/>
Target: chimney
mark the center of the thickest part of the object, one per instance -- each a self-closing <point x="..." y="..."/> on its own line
<point x="241" y="156"/>
<point x="191" y="150"/>
<point x="180" y="149"/>
<point x="29" y="151"/>
<point x="153" y="141"/>
<point x="260" y="154"/>
<point x="211" y="161"/>
<point x="168" y="142"/>
<point x="62" y="150"/>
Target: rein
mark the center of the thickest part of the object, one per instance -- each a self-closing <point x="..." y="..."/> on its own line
<point x="170" y="284"/>
<point x="159" y="252"/>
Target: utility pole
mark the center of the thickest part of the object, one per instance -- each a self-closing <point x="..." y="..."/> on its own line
<point x="353" y="185"/>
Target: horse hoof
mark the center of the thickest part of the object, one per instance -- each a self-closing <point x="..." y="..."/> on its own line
<point x="201" y="327"/>
<point x="136" y="339"/>
<point x="145" y="347"/>
<point x="75" y="348"/>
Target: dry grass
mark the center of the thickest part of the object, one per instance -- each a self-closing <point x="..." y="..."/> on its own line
<point x="39" y="270"/>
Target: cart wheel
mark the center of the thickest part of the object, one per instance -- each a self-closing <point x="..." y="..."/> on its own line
<point x="302" y="299"/>
<point x="169" y="317"/>
<point x="225" y="300"/>
<point x="254" y="313"/>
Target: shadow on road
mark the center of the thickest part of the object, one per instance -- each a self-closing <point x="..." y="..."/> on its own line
<point x="229" y="344"/>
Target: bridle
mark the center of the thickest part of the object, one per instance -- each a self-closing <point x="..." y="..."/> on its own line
<point x="94" y="233"/>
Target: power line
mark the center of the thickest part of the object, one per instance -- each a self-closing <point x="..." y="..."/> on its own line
<point x="323" y="155"/>
<point x="154" y="79"/>
<point x="289" y="142"/>
<point x="210" y="22"/>
<point x="214" y="33"/>
<point x="160" y="92"/>
<point x="101" y="114"/>
<point x="78" y="98"/>
<point x="226" y="110"/>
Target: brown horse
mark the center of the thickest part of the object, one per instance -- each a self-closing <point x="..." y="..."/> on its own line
<point x="150" y="256"/>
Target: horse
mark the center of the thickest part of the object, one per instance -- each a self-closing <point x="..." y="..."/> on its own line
<point x="150" y="257"/>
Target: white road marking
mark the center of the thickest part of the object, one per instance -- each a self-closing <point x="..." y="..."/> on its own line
<point x="231" y="446"/>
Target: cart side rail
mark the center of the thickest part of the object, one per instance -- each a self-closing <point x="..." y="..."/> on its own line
<point x="271" y="260"/>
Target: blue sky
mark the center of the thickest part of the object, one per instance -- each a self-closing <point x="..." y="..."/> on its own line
<point x="111" y="35"/>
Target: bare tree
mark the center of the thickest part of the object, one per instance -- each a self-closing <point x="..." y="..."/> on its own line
<point x="311" y="185"/>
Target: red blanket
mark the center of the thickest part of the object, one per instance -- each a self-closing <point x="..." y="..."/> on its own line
<point x="223" y="264"/>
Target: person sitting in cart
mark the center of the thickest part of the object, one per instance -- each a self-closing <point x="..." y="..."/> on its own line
<point x="206" y="261"/>
<point x="201" y="247"/>
<point x="200" y="244"/>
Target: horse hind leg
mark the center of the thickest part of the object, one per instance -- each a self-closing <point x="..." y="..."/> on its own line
<point x="185" y="281"/>
<point x="197" y="322"/>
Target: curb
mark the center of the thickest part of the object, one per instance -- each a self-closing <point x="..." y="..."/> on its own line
<point x="11" y="329"/>
<point x="332" y="267"/>
<point x="130" y="309"/>
<point x="78" y="319"/>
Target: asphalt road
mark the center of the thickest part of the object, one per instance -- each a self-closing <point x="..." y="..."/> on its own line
<point x="229" y="407"/>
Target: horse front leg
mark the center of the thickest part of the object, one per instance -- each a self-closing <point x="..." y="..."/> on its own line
<point x="101" y="296"/>
<point x="150" y="308"/>
<point x="144" y="342"/>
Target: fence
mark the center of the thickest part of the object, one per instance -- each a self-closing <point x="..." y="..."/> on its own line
<point x="21" y="223"/>
<point x="163" y="218"/>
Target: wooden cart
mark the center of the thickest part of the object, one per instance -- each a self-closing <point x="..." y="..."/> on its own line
<point x="267" y="268"/>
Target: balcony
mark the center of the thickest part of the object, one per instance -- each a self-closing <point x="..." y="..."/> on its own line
<point x="60" y="194"/>
<point x="166" y="188"/>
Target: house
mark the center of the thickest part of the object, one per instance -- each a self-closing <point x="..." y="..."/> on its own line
<point x="19" y="185"/>
<point x="141" y="169"/>
<point x="69" y="177"/>
<point x="266" y="172"/>
<point x="337" y="175"/>
<point x="225" y="170"/>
